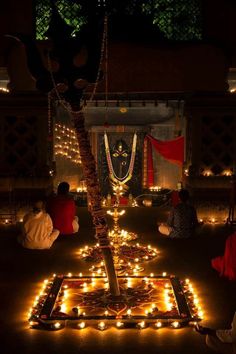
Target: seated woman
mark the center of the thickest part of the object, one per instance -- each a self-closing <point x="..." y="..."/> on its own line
<point x="182" y="220"/>
<point x="37" y="229"/>
<point x="61" y="208"/>
<point x="226" y="264"/>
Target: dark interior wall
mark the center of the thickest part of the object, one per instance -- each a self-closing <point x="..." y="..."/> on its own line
<point x="183" y="67"/>
<point x="219" y="21"/>
<point x="140" y="68"/>
<point x="25" y="148"/>
<point x="211" y="148"/>
<point x="15" y="17"/>
<point x="220" y="25"/>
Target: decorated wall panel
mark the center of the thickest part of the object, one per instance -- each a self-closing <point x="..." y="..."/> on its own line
<point x="211" y="144"/>
<point x="20" y="143"/>
<point x="217" y="151"/>
<point x="26" y="149"/>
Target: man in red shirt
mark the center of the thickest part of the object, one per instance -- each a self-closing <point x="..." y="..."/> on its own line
<point x="62" y="209"/>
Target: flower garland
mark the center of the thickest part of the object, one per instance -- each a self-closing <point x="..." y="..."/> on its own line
<point x="113" y="175"/>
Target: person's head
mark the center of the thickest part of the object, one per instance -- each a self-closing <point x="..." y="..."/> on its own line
<point x="184" y="195"/>
<point x="63" y="188"/>
<point x="38" y="206"/>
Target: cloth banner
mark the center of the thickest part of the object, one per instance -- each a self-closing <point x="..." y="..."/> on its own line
<point x="171" y="150"/>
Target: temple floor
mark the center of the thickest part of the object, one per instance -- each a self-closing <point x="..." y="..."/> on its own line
<point x="22" y="272"/>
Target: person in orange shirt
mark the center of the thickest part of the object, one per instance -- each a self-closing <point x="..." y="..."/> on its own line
<point x="62" y="210"/>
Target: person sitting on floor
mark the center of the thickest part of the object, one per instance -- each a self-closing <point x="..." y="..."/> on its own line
<point x="182" y="219"/>
<point x="62" y="209"/>
<point x="226" y="264"/>
<point x="221" y="340"/>
<point x="37" y="229"/>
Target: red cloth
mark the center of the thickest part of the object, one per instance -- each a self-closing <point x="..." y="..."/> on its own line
<point x="175" y="200"/>
<point x="226" y="264"/>
<point x="171" y="150"/>
<point x="123" y="200"/>
<point x="62" y="211"/>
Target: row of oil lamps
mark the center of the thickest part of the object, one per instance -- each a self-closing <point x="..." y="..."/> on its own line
<point x="209" y="173"/>
<point x="192" y="299"/>
<point x="102" y="325"/>
<point x="66" y="143"/>
<point x="208" y="220"/>
<point x="99" y="270"/>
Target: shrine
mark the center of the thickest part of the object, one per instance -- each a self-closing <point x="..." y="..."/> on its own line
<point x="130" y="104"/>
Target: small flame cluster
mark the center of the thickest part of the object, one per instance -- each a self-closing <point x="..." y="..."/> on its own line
<point x="192" y="300"/>
<point x="127" y="264"/>
<point x="6" y="221"/>
<point x="209" y="173"/>
<point x="123" y="236"/>
<point x="155" y="188"/>
<point x="81" y="189"/>
<point x="35" y="310"/>
<point x="121" y="268"/>
<point x="169" y="298"/>
<point x="66" y="144"/>
<point x="213" y="220"/>
<point x="4" y="89"/>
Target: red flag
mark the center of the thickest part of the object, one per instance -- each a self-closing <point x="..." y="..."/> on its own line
<point x="171" y="150"/>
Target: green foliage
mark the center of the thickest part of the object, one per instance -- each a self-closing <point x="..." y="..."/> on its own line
<point x="68" y="10"/>
<point x="176" y="19"/>
<point x="43" y="14"/>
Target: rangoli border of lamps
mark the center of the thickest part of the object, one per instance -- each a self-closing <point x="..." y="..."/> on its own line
<point x="123" y="254"/>
<point x="122" y="268"/>
<point x="184" y="301"/>
<point x="128" y="265"/>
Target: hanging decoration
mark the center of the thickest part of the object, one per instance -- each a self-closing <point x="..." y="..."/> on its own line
<point x="66" y="144"/>
<point x="50" y="123"/>
<point x="171" y="150"/>
<point x="150" y="169"/>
